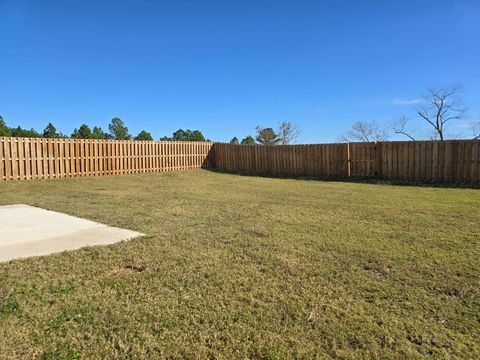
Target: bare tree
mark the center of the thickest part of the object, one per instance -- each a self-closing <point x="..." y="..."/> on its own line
<point x="476" y="130"/>
<point x="287" y="132"/>
<point x="400" y="126"/>
<point x="442" y="106"/>
<point x="365" y="132"/>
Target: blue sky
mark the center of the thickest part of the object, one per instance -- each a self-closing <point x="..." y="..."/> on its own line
<point x="226" y="66"/>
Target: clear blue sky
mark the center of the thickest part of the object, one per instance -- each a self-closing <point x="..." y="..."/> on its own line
<point x="226" y="66"/>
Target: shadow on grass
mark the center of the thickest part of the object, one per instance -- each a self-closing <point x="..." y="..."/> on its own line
<point x="358" y="180"/>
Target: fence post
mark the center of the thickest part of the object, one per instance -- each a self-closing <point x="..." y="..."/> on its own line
<point x="349" y="169"/>
<point x="378" y="160"/>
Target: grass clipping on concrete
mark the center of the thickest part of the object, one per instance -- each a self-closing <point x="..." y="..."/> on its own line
<point x="249" y="267"/>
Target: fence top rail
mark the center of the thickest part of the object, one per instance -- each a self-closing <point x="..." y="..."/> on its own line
<point x="113" y="141"/>
<point x="364" y="142"/>
<point x="11" y="138"/>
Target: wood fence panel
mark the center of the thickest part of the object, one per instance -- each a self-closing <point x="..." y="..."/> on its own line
<point x="429" y="161"/>
<point x="32" y="158"/>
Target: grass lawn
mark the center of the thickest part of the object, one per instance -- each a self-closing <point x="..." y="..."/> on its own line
<point x="249" y="267"/>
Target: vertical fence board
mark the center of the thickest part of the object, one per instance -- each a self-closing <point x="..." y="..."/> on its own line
<point x="8" y="159"/>
<point x="2" y="159"/>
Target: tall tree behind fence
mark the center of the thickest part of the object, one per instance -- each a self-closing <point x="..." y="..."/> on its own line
<point x="429" y="161"/>
<point x="28" y="158"/>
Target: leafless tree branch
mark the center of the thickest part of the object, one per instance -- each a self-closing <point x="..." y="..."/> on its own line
<point x="476" y="130"/>
<point x="400" y="126"/>
<point x="442" y="106"/>
<point x="287" y="132"/>
<point x="364" y="132"/>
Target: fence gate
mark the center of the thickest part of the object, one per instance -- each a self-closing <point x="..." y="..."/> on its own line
<point x="364" y="159"/>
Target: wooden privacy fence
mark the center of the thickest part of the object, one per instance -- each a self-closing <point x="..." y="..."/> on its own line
<point x="31" y="158"/>
<point x="429" y="161"/>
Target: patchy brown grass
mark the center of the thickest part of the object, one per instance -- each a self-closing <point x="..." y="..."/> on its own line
<point x="247" y="267"/>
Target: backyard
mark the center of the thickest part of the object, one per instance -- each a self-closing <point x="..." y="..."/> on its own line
<point x="249" y="267"/>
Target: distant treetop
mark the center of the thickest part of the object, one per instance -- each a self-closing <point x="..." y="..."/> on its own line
<point x="118" y="130"/>
<point x="51" y="132"/>
<point x="266" y="136"/>
<point x="83" y="132"/>
<point x="144" y="136"/>
<point x="248" y="140"/>
<point x="185" y="135"/>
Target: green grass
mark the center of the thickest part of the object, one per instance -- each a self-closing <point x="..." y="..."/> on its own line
<point x="249" y="267"/>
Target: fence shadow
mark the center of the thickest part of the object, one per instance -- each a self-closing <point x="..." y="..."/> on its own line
<point x="208" y="160"/>
<point x="430" y="163"/>
<point x="354" y="180"/>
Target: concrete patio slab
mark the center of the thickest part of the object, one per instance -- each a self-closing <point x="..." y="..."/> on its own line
<point x="30" y="231"/>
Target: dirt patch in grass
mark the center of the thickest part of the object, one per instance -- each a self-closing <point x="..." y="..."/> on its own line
<point x="249" y="267"/>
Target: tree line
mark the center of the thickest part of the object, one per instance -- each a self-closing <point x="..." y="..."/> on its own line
<point x="436" y="110"/>
<point x="117" y="130"/>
